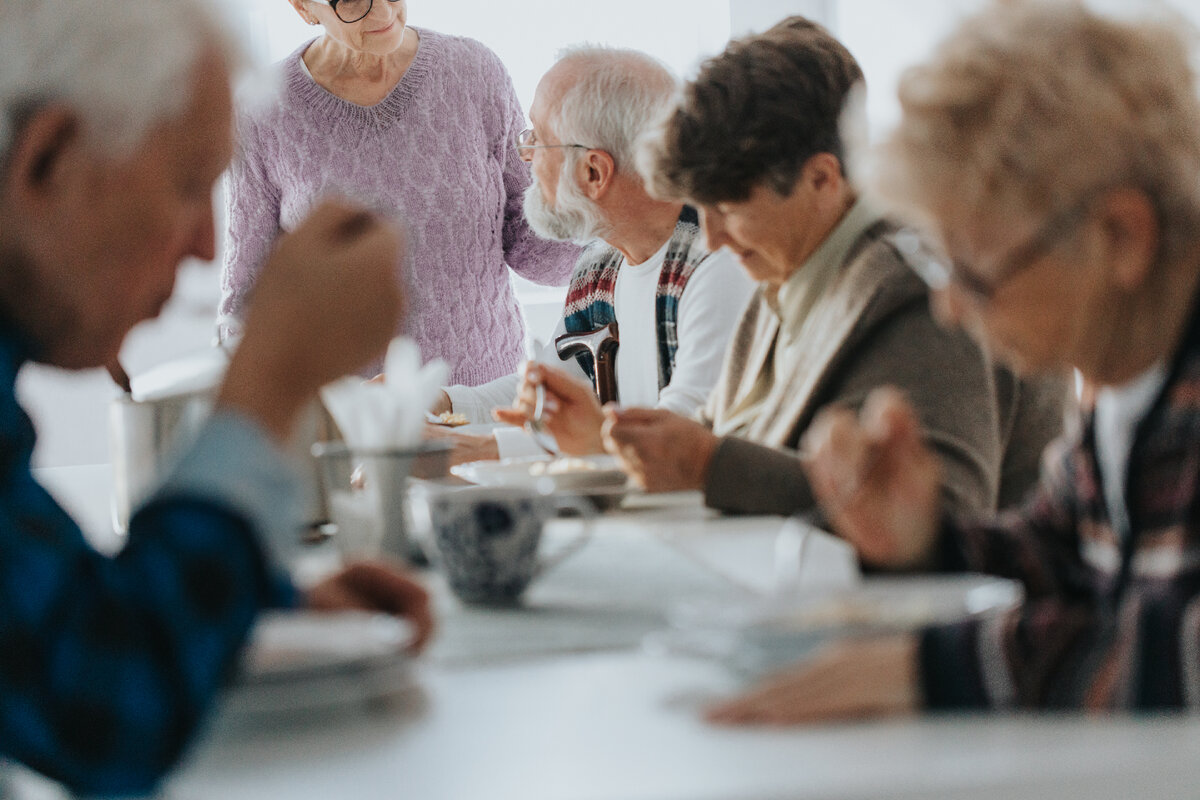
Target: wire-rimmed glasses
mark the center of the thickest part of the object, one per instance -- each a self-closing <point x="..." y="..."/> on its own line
<point x="351" y="10"/>
<point x="527" y="140"/>
<point x="939" y="272"/>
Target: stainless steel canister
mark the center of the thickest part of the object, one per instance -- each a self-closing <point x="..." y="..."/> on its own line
<point x="145" y="436"/>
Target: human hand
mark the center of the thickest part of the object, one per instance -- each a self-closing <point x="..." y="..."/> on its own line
<point x="326" y="302"/>
<point x="851" y="679"/>
<point x="441" y="405"/>
<point x="660" y="450"/>
<point x="571" y="411"/>
<point x="467" y="447"/>
<point x="877" y="482"/>
<point x="376" y="586"/>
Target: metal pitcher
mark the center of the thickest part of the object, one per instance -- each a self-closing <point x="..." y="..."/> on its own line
<point x="146" y="435"/>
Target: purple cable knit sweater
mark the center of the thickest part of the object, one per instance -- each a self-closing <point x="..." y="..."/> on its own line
<point x="439" y="151"/>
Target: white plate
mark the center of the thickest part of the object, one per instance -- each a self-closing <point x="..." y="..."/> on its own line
<point x="598" y="474"/>
<point x="768" y="633"/>
<point x="300" y="661"/>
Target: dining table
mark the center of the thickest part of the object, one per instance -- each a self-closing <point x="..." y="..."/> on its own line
<point x="576" y="693"/>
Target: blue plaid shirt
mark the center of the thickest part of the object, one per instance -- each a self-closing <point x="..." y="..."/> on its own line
<point x="107" y="665"/>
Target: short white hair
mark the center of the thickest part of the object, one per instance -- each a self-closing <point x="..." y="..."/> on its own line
<point x="617" y="97"/>
<point x="123" y="67"/>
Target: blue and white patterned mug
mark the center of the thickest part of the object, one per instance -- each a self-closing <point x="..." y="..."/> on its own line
<point x="485" y="538"/>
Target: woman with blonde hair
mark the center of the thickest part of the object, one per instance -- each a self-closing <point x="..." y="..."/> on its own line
<point x="1055" y="153"/>
<point x="422" y="127"/>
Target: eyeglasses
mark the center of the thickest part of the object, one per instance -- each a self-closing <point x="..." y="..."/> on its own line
<point x="351" y="10"/>
<point x="939" y="274"/>
<point x="527" y="140"/>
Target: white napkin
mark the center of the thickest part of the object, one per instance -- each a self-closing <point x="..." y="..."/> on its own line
<point x="296" y="641"/>
<point x="392" y="413"/>
<point x="810" y="560"/>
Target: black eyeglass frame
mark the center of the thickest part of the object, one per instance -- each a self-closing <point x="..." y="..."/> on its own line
<point x="335" y="3"/>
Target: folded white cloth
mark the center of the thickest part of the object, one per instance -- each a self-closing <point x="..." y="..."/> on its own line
<point x="391" y="413"/>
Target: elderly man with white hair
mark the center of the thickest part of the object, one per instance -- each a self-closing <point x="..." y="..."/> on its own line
<point x="115" y="122"/>
<point x="647" y="268"/>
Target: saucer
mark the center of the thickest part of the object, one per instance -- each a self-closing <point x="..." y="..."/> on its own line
<point x="301" y="661"/>
<point x="771" y="632"/>
<point x="597" y="478"/>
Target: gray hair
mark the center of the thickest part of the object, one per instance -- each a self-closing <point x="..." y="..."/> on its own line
<point x="123" y="67"/>
<point x="619" y="95"/>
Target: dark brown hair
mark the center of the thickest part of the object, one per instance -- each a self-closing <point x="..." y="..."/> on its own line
<point x="755" y="114"/>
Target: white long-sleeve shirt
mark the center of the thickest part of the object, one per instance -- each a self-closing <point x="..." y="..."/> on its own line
<point x="711" y="304"/>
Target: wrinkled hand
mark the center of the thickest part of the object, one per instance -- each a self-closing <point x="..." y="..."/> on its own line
<point x="441" y="405"/>
<point x="849" y="679"/>
<point x="327" y="302"/>
<point x="467" y="447"/>
<point x="571" y="411"/>
<point x="660" y="450"/>
<point x="376" y="586"/>
<point x="877" y="482"/>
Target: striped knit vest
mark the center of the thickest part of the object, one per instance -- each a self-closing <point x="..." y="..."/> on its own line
<point x="590" y="306"/>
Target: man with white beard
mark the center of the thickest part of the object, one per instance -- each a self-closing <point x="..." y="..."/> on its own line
<point x="647" y="267"/>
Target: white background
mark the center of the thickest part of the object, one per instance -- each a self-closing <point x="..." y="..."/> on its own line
<point x="885" y="35"/>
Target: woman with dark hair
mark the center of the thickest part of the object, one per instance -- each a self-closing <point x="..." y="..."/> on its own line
<point x="756" y="144"/>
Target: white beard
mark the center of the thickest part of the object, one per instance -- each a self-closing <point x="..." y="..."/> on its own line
<point x="573" y="218"/>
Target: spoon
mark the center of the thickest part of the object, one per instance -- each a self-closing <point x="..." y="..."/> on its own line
<point x="536" y="426"/>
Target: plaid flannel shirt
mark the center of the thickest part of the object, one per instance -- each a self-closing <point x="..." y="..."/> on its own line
<point x="1111" y="619"/>
<point x="107" y="664"/>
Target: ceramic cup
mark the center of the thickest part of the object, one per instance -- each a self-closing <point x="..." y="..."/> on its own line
<point x="366" y="492"/>
<point x="485" y="538"/>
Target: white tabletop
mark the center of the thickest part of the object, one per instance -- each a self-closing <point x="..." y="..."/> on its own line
<point x="558" y="699"/>
<point x="626" y="725"/>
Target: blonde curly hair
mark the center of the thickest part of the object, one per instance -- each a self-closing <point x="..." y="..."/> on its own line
<point x="1030" y="105"/>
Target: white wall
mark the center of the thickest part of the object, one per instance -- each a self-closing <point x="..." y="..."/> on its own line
<point x="755" y="16"/>
<point x="886" y="36"/>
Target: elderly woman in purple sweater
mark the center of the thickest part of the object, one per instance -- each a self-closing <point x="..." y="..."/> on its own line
<point x="415" y="123"/>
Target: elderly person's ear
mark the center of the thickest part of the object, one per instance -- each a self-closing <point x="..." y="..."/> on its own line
<point x="40" y="152"/>
<point x="599" y="169"/>
<point x="823" y="171"/>
<point x="1131" y="235"/>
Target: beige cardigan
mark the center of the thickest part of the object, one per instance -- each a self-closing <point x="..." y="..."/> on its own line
<point x="872" y="327"/>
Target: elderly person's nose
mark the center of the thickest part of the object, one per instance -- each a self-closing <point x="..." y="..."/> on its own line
<point x="381" y="11"/>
